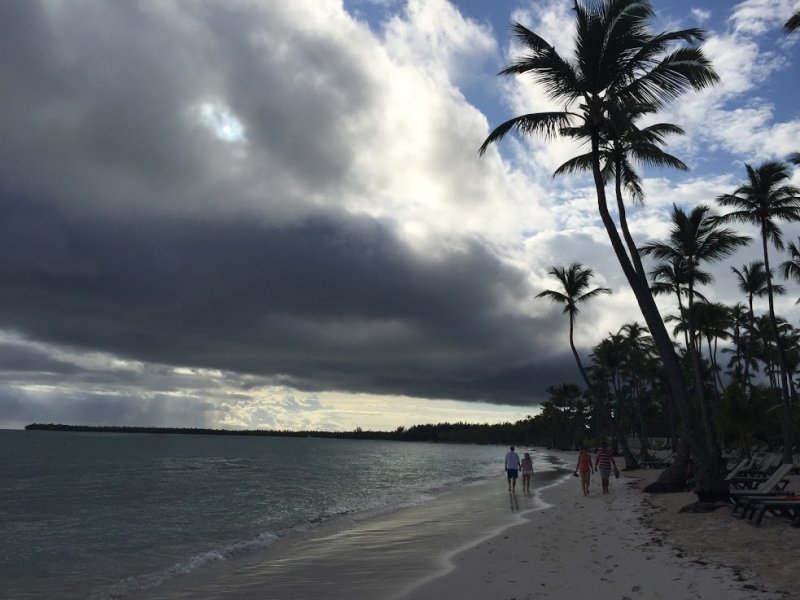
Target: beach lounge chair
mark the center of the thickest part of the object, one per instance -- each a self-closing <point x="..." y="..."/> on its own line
<point x="735" y="470"/>
<point x="748" y="505"/>
<point x="785" y="506"/>
<point x="658" y="460"/>
<point x="761" y="466"/>
<point x="774" y="486"/>
<point x="759" y="484"/>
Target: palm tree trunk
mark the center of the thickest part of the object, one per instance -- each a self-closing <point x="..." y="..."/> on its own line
<point x="623" y="221"/>
<point x="786" y="421"/>
<point x="709" y="483"/>
<point x="749" y="347"/>
<point x="673" y="478"/>
<point x="699" y="386"/>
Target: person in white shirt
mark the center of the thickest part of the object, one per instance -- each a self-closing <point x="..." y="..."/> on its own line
<point x="512" y="469"/>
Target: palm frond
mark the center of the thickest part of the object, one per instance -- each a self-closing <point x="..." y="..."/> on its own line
<point x="793" y="22"/>
<point x="577" y="164"/>
<point x="547" y="124"/>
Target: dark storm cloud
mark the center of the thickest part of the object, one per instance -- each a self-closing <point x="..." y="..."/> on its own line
<point x="329" y="303"/>
<point x="127" y="226"/>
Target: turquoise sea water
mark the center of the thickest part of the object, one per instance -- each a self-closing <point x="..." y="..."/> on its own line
<point x="103" y="515"/>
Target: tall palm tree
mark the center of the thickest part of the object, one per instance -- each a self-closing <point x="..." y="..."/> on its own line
<point x="764" y="200"/>
<point x="695" y="238"/>
<point x="740" y="353"/>
<point x="626" y="143"/>
<point x="620" y="64"/>
<point x="752" y="281"/>
<point x="712" y="320"/>
<point x="672" y="277"/>
<point x="575" y="281"/>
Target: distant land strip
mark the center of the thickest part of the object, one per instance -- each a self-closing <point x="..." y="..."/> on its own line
<point x="520" y="432"/>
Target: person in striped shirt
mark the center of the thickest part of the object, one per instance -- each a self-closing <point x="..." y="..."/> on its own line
<point x="603" y="464"/>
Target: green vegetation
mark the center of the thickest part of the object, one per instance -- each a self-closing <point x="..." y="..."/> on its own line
<point x="533" y="431"/>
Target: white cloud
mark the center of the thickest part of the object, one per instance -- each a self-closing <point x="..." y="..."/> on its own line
<point x="701" y="14"/>
<point x="758" y="16"/>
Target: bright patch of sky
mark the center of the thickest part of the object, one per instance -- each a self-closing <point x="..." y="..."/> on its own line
<point x="221" y="122"/>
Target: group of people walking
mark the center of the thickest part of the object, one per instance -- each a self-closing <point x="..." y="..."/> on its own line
<point x="515" y="465"/>
<point x="603" y="464"/>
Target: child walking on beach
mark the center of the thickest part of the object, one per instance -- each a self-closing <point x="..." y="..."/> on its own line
<point x="584" y="468"/>
<point x="603" y="464"/>
<point x="527" y="472"/>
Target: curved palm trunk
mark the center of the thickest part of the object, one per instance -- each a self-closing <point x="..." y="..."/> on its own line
<point x="623" y="221"/>
<point x="709" y="483"/>
<point x="630" y="459"/>
<point x="786" y="421"/>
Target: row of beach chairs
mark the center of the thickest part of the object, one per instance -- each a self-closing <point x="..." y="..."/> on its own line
<point x="755" y="496"/>
<point x="658" y="459"/>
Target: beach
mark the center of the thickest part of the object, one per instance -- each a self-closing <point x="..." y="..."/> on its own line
<point x="607" y="547"/>
<point x="482" y="543"/>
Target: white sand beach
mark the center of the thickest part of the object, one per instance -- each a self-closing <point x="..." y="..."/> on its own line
<point x="605" y="547"/>
<point x="482" y="543"/>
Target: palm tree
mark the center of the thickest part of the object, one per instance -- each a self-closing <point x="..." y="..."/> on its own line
<point x="607" y="360"/>
<point x="790" y="269"/>
<point x="695" y="238"/>
<point x="738" y="367"/>
<point x="574" y="281"/>
<point x="620" y="64"/>
<point x="712" y="320"/>
<point x="638" y="353"/>
<point x="626" y="142"/>
<point x="752" y="281"/>
<point x="793" y="22"/>
<point x="765" y="199"/>
<point x="574" y="291"/>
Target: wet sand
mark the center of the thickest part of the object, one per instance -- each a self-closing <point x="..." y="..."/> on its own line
<point x="380" y="557"/>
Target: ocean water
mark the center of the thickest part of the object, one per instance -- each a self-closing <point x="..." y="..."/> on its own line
<point x="100" y="516"/>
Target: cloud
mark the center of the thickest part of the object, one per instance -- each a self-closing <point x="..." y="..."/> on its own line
<point x="701" y="15"/>
<point x="248" y="212"/>
<point x="759" y="16"/>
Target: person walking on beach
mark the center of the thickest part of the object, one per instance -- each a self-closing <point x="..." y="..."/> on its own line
<point x="527" y="472"/>
<point x="603" y="464"/>
<point x="512" y="469"/>
<point x="585" y="469"/>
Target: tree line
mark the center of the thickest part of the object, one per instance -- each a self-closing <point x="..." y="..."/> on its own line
<point x="532" y="431"/>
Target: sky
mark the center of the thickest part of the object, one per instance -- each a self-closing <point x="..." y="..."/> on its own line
<point x="250" y="214"/>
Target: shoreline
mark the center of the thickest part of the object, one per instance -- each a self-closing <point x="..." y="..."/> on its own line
<point x="480" y="542"/>
<point x="377" y="556"/>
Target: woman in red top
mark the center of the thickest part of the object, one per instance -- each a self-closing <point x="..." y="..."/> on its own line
<point x="584" y="468"/>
